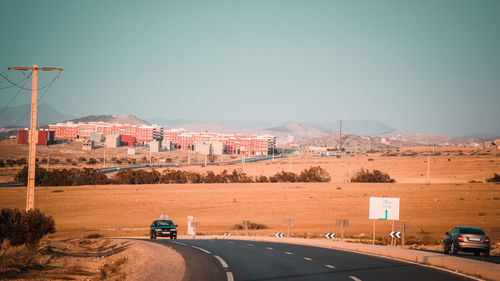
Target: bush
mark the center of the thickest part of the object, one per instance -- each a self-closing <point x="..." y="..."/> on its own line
<point x="64" y="177"/>
<point x="251" y="226"/>
<point x="92" y="161"/>
<point x="494" y="178"/>
<point x="373" y="176"/>
<point x="2" y="163"/>
<point x="314" y="174"/>
<point x="283" y="177"/>
<point x="82" y="159"/>
<point x="24" y="227"/>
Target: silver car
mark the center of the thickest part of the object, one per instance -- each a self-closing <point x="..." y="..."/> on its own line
<point x="467" y="239"/>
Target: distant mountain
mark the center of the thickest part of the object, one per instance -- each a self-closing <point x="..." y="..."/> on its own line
<point x="356" y="143"/>
<point x="430" y="139"/>
<point x="128" y="119"/>
<point x="19" y="116"/>
<point x="297" y="130"/>
<point x="365" y="127"/>
<point x="215" y="128"/>
<point x="171" y="122"/>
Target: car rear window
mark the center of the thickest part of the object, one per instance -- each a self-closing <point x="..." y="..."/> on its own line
<point x="471" y="230"/>
<point x="164" y="223"/>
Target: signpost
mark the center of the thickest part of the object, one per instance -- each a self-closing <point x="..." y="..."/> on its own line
<point x="246" y="223"/>
<point x="401" y="227"/>
<point x="192" y="224"/>
<point x="288" y="223"/>
<point x="383" y="208"/>
<point x="342" y="224"/>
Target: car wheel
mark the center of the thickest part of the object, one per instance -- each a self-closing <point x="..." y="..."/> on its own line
<point x="171" y="237"/>
<point x="486" y="253"/>
<point x="453" y="249"/>
<point x="445" y="250"/>
<point x="477" y="253"/>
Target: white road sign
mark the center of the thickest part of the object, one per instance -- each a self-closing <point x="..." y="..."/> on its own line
<point x="384" y="208"/>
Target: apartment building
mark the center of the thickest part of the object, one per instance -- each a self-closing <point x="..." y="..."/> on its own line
<point x="142" y="134"/>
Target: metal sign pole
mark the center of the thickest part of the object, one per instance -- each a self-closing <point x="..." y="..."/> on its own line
<point x="373" y="241"/>
<point x="392" y="238"/>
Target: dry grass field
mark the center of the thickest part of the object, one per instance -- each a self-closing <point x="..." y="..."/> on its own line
<point x="432" y="209"/>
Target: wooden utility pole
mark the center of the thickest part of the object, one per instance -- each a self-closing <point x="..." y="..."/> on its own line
<point x="33" y="133"/>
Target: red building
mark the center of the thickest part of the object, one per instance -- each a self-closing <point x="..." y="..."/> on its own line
<point x="141" y="134"/>
<point x="233" y="144"/>
<point x="45" y="137"/>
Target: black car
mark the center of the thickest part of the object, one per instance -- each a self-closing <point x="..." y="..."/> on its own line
<point x="467" y="239"/>
<point x="163" y="228"/>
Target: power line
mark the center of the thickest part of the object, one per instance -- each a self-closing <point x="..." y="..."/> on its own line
<point x="39" y="99"/>
<point x="16" y="84"/>
<point x="12" y="85"/>
<point x="13" y="98"/>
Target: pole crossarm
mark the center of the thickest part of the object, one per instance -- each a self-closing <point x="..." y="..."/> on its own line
<point x="37" y="68"/>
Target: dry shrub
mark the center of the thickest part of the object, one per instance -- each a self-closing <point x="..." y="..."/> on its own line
<point x="64" y="177"/>
<point x="314" y="174"/>
<point x="27" y="228"/>
<point x="372" y="176"/>
<point x="251" y="226"/>
<point x="494" y="178"/>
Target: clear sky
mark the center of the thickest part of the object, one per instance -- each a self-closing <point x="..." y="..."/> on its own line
<point x="426" y="66"/>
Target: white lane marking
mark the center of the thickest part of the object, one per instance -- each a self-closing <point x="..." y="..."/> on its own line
<point x="250" y="245"/>
<point x="288" y="253"/>
<point x="201" y="249"/>
<point x="229" y="276"/>
<point x="179" y="243"/>
<point x="308" y="259"/>
<point x="354" y="278"/>
<point x="329" y="266"/>
<point x="224" y="264"/>
<point x="269" y="248"/>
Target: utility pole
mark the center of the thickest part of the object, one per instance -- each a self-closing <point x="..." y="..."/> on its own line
<point x="428" y="169"/>
<point x="33" y="133"/>
<point x="104" y="164"/>
<point x="340" y="136"/>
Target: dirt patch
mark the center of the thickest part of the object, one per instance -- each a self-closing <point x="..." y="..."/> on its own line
<point x="92" y="259"/>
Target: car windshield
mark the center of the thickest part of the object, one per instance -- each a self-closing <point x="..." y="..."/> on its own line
<point x="164" y="223"/>
<point x="471" y="230"/>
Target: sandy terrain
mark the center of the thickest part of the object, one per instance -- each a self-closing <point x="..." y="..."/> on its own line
<point x="431" y="209"/>
<point x="93" y="259"/>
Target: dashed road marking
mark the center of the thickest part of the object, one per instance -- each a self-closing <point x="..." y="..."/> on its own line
<point x="250" y="245"/>
<point x="180" y="243"/>
<point x="201" y="249"/>
<point x="308" y="259"/>
<point x="222" y="262"/>
<point x="229" y="276"/>
<point x="269" y="248"/>
<point x="354" y="278"/>
<point x="329" y="266"/>
<point x="288" y="253"/>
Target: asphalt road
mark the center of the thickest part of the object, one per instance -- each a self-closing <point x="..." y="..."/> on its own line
<point x="262" y="261"/>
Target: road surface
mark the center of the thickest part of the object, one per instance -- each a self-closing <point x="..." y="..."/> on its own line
<point x="262" y="261"/>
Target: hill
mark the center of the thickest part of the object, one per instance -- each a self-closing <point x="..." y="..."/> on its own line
<point x="127" y="119"/>
<point x="19" y="116"/>
<point x="430" y="139"/>
<point x="357" y="143"/>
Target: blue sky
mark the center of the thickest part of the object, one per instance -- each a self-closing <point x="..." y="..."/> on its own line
<point x="425" y="66"/>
